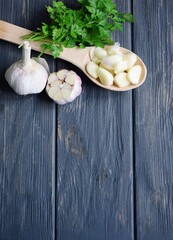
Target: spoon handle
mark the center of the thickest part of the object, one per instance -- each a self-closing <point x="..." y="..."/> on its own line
<point x="12" y="33"/>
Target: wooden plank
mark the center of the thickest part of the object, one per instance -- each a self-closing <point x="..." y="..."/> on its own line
<point x="94" y="160"/>
<point x="154" y="120"/>
<point x="27" y="137"/>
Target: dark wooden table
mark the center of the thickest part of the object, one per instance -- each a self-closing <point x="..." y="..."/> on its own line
<point x="101" y="167"/>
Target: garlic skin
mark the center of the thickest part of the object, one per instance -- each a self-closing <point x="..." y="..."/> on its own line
<point x="27" y="76"/>
<point x="43" y="62"/>
<point x="64" y="86"/>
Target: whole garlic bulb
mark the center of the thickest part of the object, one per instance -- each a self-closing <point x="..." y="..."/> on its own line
<point x="27" y="76"/>
<point x="63" y="86"/>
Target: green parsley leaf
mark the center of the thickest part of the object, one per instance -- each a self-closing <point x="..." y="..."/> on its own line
<point x="90" y="25"/>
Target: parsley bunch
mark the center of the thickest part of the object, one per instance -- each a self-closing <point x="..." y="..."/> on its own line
<point x="91" y="25"/>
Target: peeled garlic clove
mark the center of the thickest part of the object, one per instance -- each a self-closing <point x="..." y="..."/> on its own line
<point x="96" y="60"/>
<point x="65" y="88"/>
<point x="131" y="59"/>
<point x="100" y="53"/>
<point x="111" y="61"/>
<point x="134" y="73"/>
<point x="111" y="71"/>
<point x="91" y="53"/>
<point x="121" y="80"/>
<point x="105" y="77"/>
<point x="26" y="76"/>
<point x="92" y="69"/>
<point x="121" y="67"/>
<point x="111" y="50"/>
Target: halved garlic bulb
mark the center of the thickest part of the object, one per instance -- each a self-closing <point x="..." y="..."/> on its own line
<point x="64" y="86"/>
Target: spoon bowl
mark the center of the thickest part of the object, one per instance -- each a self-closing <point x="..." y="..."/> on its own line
<point x="77" y="56"/>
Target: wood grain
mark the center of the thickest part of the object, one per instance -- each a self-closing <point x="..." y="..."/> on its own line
<point x="99" y="168"/>
<point x="153" y="35"/>
<point x="27" y="149"/>
<point x="94" y="161"/>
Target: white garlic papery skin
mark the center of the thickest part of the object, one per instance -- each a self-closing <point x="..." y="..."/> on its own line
<point x="64" y="86"/>
<point x="26" y="76"/>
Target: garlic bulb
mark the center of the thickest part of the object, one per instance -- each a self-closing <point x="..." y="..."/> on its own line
<point x="63" y="86"/>
<point x="27" y="76"/>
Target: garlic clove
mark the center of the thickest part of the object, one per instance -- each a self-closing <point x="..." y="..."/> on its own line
<point x="96" y="60"/>
<point x="52" y="78"/>
<point x="120" y="67"/>
<point x="114" y="49"/>
<point x="131" y="59"/>
<point x="111" y="71"/>
<point x="58" y="98"/>
<point x="121" y="80"/>
<point x="56" y="83"/>
<point x="61" y="74"/>
<point x="134" y="73"/>
<point x="92" y="69"/>
<point x="66" y="93"/>
<point x="43" y="62"/>
<point x="71" y="79"/>
<point x="100" y="53"/>
<point x="66" y="87"/>
<point x="105" y="77"/>
<point x="91" y="53"/>
<point x="111" y="61"/>
<point x="52" y="91"/>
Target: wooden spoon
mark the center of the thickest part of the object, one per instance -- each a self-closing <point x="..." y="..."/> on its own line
<point x="77" y="56"/>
